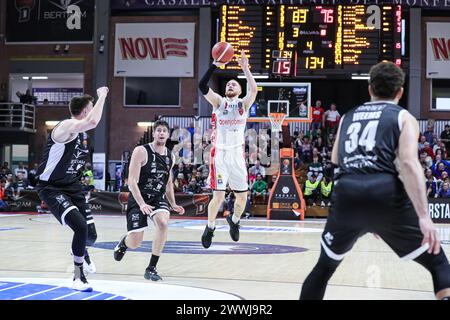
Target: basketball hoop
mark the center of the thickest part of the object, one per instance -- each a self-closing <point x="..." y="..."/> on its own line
<point x="276" y="120"/>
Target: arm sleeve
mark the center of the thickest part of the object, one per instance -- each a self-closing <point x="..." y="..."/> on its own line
<point x="203" y="84"/>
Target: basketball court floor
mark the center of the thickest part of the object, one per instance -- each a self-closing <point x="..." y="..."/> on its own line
<point x="270" y="262"/>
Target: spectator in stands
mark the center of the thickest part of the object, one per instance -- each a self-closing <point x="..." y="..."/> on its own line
<point x="445" y="136"/>
<point x="423" y="160"/>
<point x="21" y="169"/>
<point x="86" y="184"/>
<point x="193" y="187"/>
<point x="427" y="149"/>
<point x="258" y="169"/>
<point x="306" y="150"/>
<point x="6" y="167"/>
<point x="422" y="141"/>
<point x="298" y="145"/>
<point x="3" y="204"/>
<point x="179" y="168"/>
<point x="9" y="181"/>
<point x="440" y="166"/>
<point x="441" y="180"/>
<point x="32" y="175"/>
<point x="326" y="186"/>
<point x="331" y="119"/>
<point x="20" y="184"/>
<point x="204" y="169"/>
<point x="199" y="178"/>
<point x="428" y="134"/>
<point x="444" y="192"/>
<point x="319" y="144"/>
<point x="259" y="190"/>
<point x="317" y="116"/>
<point x="88" y="173"/>
<point x="315" y="169"/>
<point x="272" y="182"/>
<point x="442" y="153"/>
<point x="330" y="141"/>
<point x="436" y="142"/>
<point x="431" y="184"/>
<point x="316" y="154"/>
<point x="311" y="190"/>
<point x="180" y="183"/>
<point x="3" y="173"/>
<point x="188" y="170"/>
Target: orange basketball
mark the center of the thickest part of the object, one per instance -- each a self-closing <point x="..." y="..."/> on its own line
<point x="222" y="52"/>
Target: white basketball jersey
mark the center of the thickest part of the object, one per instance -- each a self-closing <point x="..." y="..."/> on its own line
<point x="228" y="122"/>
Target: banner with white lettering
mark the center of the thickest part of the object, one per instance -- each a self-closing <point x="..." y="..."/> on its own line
<point x="439" y="210"/>
<point x="438" y="50"/>
<point x="50" y="21"/>
<point x="154" y="50"/>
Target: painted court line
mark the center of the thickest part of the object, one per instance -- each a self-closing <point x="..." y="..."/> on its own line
<point x="19" y="285"/>
<point x="34" y="294"/>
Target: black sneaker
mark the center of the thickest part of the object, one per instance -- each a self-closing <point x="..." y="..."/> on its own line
<point x="234" y="228"/>
<point x="120" y="249"/>
<point x="151" y="274"/>
<point x="207" y="236"/>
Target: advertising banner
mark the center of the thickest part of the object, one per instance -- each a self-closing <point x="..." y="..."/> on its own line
<point x="154" y="50"/>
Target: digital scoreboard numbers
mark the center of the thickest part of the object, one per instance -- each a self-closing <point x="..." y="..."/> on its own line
<point x="310" y="32"/>
<point x="316" y="38"/>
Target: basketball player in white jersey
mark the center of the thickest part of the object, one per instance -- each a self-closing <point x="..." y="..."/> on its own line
<point x="227" y="162"/>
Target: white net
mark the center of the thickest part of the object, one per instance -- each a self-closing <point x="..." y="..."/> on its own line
<point x="276" y="120"/>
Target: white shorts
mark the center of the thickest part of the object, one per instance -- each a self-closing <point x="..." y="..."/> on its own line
<point x="228" y="166"/>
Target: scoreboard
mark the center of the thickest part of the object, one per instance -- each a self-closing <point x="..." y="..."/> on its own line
<point x="291" y="40"/>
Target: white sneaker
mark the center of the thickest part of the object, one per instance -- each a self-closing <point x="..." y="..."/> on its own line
<point x="322" y="204"/>
<point x="79" y="285"/>
<point x="89" y="268"/>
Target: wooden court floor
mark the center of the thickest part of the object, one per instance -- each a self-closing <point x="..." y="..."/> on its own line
<point x="270" y="262"/>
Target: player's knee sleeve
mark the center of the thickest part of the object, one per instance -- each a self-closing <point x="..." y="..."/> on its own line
<point x="76" y="221"/>
<point x="91" y="234"/>
<point x="439" y="268"/>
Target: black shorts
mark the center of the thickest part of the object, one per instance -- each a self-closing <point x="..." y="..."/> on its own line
<point x="375" y="203"/>
<point x="136" y="220"/>
<point x="62" y="200"/>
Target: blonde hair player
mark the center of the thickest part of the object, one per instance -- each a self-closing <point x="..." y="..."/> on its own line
<point x="227" y="162"/>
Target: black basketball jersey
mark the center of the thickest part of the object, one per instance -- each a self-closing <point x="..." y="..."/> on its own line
<point x="368" y="139"/>
<point x="62" y="163"/>
<point x="155" y="173"/>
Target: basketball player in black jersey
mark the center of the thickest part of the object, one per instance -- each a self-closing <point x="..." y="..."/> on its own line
<point x="151" y="184"/>
<point x="379" y="187"/>
<point x="59" y="176"/>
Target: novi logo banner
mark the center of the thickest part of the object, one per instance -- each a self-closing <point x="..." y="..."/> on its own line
<point x="438" y="50"/>
<point x="154" y="50"/>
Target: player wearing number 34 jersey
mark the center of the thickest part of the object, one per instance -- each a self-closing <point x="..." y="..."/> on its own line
<point x="379" y="187"/>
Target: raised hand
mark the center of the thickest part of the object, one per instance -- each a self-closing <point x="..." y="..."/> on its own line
<point x="102" y="92"/>
<point x="243" y="60"/>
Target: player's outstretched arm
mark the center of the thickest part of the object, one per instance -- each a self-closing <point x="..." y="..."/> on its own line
<point x="252" y="87"/>
<point x="138" y="158"/>
<point x="209" y="94"/>
<point x="91" y="121"/>
<point x="411" y="174"/>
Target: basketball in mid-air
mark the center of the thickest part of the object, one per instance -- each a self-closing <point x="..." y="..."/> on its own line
<point x="222" y="52"/>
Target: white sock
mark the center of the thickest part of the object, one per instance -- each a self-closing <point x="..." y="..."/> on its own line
<point x="235" y="219"/>
<point x="211" y="225"/>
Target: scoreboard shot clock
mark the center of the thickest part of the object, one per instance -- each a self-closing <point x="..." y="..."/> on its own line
<point x="282" y="63"/>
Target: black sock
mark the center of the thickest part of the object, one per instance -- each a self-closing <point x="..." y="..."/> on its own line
<point x="153" y="261"/>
